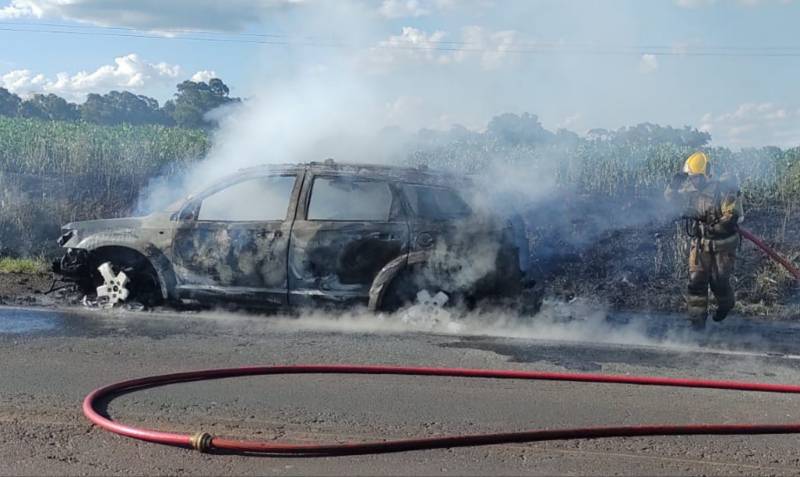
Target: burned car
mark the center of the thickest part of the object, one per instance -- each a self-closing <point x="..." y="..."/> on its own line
<point x="298" y="235"/>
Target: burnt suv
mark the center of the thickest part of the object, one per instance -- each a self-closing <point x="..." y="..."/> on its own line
<point x="308" y="234"/>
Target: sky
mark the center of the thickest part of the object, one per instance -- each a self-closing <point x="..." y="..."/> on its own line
<point x="729" y="67"/>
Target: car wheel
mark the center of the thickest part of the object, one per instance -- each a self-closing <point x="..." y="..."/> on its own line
<point x="114" y="289"/>
<point x="406" y="290"/>
<point x="119" y="282"/>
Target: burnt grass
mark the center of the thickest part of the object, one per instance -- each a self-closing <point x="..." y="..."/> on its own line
<point x="643" y="266"/>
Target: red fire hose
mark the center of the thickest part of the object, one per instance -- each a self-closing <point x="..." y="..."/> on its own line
<point x="769" y="251"/>
<point x="205" y="442"/>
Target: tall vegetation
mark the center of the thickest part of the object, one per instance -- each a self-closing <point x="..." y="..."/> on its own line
<point x="62" y="148"/>
<point x="77" y="170"/>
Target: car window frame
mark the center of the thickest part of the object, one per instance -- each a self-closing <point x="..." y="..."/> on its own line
<point x="397" y="213"/>
<point x="193" y="205"/>
<point x="413" y="213"/>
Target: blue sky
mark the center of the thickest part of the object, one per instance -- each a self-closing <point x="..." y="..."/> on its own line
<point x="432" y="63"/>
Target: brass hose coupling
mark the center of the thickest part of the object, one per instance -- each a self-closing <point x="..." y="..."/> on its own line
<point x="201" y="441"/>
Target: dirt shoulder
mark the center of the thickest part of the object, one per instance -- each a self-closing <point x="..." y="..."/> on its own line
<point x="26" y="289"/>
<point x="624" y="292"/>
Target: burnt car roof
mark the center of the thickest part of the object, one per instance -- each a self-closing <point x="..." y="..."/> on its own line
<point x="374" y="171"/>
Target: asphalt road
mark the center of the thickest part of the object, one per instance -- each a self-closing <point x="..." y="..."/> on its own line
<point x="52" y="359"/>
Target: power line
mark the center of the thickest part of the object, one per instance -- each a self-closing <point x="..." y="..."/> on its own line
<point x="454" y="46"/>
<point x="535" y="44"/>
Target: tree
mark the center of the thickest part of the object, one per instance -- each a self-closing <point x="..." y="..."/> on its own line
<point x="49" y="106"/>
<point x="9" y="103"/>
<point x="567" y="137"/>
<point x="599" y="134"/>
<point x="649" y="133"/>
<point x="122" y="107"/>
<point x="194" y="99"/>
<point x="515" y="129"/>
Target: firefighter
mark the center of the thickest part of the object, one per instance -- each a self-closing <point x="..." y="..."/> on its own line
<point x="711" y="209"/>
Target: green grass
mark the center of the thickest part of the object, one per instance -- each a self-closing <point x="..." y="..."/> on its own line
<point x="23" y="265"/>
<point x="60" y="148"/>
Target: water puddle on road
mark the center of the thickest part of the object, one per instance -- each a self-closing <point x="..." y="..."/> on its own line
<point x="17" y="321"/>
<point x="523" y="338"/>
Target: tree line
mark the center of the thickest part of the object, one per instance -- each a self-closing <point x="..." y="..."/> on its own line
<point x="188" y="109"/>
<point x="193" y="101"/>
<point x="522" y="130"/>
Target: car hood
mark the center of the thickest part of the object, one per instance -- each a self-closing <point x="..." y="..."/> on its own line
<point x="158" y="219"/>
<point x="104" y="224"/>
<point x="74" y="233"/>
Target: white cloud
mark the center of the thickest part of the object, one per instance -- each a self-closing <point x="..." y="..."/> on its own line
<point x="203" y="76"/>
<point x="415" y="46"/>
<point x="128" y="72"/>
<point x="150" y="15"/>
<point x="410" y="46"/>
<point x="648" y="63"/>
<point x="493" y="47"/>
<point x="754" y="124"/>
<point x="412" y="8"/>
<point x="570" y="121"/>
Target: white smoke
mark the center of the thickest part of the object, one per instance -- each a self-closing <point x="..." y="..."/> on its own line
<point x="332" y="109"/>
<point x="285" y="124"/>
<point x="581" y="320"/>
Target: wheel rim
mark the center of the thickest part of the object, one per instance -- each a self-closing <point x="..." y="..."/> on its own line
<point x="114" y="288"/>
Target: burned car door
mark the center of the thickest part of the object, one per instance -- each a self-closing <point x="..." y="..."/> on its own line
<point x="462" y="250"/>
<point x="347" y="229"/>
<point x="437" y="212"/>
<point x="231" y="243"/>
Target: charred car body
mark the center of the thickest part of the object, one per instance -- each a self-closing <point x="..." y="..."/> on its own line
<point x="300" y="235"/>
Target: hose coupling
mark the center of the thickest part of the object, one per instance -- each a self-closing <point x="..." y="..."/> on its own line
<point x="201" y="441"/>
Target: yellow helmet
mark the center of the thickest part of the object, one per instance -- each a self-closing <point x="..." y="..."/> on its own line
<point x="697" y="164"/>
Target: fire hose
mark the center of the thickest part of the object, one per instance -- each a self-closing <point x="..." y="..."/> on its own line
<point x="769" y="251"/>
<point x="205" y="442"/>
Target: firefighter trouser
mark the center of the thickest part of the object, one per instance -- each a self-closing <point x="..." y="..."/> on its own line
<point x="711" y="263"/>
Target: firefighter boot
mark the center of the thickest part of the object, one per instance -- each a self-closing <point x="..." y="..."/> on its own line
<point x="697" y="304"/>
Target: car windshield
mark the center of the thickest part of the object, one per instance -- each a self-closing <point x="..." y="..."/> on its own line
<point x="435" y="203"/>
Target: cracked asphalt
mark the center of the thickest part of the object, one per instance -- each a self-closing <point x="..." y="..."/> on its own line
<point x="52" y="358"/>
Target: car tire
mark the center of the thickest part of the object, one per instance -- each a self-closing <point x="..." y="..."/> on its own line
<point x="124" y="279"/>
<point x="405" y="290"/>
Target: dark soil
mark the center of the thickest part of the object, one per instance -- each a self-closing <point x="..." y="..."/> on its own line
<point x="27" y="289"/>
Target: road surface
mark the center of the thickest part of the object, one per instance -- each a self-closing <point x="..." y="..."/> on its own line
<point x="51" y="359"/>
